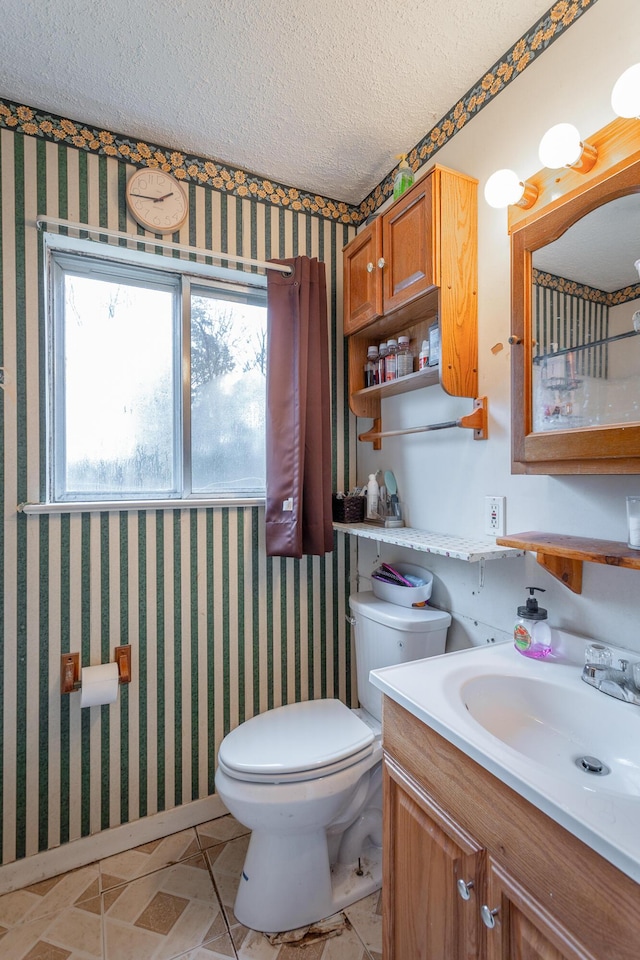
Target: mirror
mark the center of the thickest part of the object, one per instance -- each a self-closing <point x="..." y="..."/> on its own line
<point x="585" y="304"/>
<point x="575" y="308"/>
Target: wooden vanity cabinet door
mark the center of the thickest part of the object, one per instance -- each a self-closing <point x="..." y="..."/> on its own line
<point x="524" y="929"/>
<point x="425" y="855"/>
<point x="362" y="294"/>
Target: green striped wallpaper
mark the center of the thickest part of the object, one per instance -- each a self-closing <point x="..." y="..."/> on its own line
<point x="218" y="631"/>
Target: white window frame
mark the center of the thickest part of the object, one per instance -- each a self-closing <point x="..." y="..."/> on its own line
<point x="194" y="277"/>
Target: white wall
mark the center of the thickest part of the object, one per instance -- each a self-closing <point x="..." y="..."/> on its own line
<point x="443" y="477"/>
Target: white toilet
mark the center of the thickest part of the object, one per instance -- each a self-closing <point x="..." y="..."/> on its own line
<point x="306" y="778"/>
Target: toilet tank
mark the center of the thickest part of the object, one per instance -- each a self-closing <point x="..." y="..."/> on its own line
<point x="388" y="634"/>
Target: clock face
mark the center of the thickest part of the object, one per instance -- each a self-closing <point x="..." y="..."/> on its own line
<point x="157" y="201"/>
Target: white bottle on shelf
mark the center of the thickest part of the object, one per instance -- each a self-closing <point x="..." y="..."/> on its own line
<point x="423" y="359"/>
<point x="373" y="492"/>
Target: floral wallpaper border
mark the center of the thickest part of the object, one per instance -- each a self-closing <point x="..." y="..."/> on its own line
<point x="592" y="294"/>
<point x="233" y="180"/>
<point x="557" y="19"/>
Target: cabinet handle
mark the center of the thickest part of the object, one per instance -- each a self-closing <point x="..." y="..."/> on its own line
<point x="464" y="889"/>
<point x="488" y="916"/>
<point x="369" y="268"/>
<point x="381" y="262"/>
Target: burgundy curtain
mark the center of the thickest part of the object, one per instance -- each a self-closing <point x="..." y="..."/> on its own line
<point x="298" y="507"/>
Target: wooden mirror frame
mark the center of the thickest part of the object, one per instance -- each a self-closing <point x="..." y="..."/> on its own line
<point x="563" y="198"/>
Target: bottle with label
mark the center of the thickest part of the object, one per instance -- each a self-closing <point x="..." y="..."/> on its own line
<point x="390" y="363"/>
<point x="370" y="367"/>
<point x="373" y="493"/>
<point x="531" y="633"/>
<point x="403" y="178"/>
<point x="372" y="357"/>
<point x="434" y="344"/>
<point x="382" y="357"/>
<point x="423" y="358"/>
<point x="404" y="358"/>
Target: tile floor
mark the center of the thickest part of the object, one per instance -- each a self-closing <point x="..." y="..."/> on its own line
<point x="167" y="899"/>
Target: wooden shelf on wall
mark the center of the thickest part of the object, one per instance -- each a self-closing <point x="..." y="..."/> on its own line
<point x="562" y="556"/>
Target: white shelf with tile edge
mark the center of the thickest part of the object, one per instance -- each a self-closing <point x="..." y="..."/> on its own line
<point x="471" y="549"/>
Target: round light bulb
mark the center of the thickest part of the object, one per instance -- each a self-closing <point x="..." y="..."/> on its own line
<point x="561" y="146"/>
<point x="625" y="96"/>
<point x="503" y="188"/>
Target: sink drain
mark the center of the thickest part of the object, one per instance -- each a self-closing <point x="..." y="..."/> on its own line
<point x="592" y="765"/>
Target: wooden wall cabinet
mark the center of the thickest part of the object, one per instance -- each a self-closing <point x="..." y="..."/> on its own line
<point x="475" y="872"/>
<point x="416" y="262"/>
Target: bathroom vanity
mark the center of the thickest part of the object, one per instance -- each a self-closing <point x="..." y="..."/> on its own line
<point x="491" y="848"/>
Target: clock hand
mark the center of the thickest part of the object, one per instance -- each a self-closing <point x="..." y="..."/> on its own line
<point x="143" y="196"/>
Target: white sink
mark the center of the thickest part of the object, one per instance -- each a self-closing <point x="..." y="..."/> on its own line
<point x="566" y="731"/>
<point x="531" y="723"/>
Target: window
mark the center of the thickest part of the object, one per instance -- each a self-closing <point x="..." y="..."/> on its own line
<point x="157" y="380"/>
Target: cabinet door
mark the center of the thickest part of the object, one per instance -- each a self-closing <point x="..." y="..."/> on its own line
<point x="523" y="929"/>
<point x="408" y="243"/>
<point x="425" y="855"/>
<point x="362" y="296"/>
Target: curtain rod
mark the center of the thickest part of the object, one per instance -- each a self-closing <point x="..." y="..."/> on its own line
<point x="165" y="244"/>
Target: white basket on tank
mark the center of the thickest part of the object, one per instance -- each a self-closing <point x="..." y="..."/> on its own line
<point x="404" y="596"/>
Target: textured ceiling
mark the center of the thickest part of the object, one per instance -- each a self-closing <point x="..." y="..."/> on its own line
<point x="320" y="96"/>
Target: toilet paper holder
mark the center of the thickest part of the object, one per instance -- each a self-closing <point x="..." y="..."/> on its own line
<point x="70" y="669"/>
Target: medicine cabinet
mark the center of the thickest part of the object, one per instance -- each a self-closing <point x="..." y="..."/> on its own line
<point x="575" y="355"/>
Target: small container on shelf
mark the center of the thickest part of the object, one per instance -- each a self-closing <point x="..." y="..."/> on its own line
<point x="390" y="364"/>
<point x="434" y="344"/>
<point x="347" y="509"/>
<point x="404" y="358"/>
<point x="382" y="358"/>
<point x="372" y="355"/>
<point x="370" y="367"/>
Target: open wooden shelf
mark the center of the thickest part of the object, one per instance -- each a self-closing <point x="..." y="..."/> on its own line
<point x="562" y="556"/>
<point x="392" y="388"/>
<point x="471" y="549"/>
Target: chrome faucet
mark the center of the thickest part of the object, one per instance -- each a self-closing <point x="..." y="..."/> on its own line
<point x="618" y="682"/>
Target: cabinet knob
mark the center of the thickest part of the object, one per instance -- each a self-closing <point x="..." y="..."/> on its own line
<point x="464" y="889"/>
<point x="369" y="268"/>
<point x="381" y="262"/>
<point x="488" y="916"/>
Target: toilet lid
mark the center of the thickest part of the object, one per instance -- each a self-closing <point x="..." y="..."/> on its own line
<point x="299" y="741"/>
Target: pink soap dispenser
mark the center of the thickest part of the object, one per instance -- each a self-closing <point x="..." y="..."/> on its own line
<point x="531" y="633"/>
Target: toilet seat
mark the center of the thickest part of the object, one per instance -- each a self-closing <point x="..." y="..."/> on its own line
<point x="297" y="742"/>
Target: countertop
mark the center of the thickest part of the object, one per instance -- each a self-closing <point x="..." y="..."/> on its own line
<point x="604" y="814"/>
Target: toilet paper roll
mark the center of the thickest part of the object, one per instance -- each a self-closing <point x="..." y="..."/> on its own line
<point x="99" y="684"/>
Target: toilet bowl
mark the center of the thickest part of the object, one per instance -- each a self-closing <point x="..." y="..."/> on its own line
<point x="306" y="778"/>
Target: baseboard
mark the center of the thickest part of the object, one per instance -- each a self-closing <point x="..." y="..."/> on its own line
<point x="79" y="853"/>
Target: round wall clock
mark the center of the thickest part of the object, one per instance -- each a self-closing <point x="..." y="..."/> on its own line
<point x="156" y="200"/>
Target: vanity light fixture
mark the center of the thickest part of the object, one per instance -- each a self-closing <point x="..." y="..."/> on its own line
<point x="562" y="146"/>
<point x="625" y="96"/>
<point x="504" y="187"/>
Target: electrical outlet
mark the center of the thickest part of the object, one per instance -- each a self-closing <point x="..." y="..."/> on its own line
<point x="494" y="516"/>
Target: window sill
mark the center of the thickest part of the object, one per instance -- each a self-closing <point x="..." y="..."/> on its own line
<point x="111" y="506"/>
